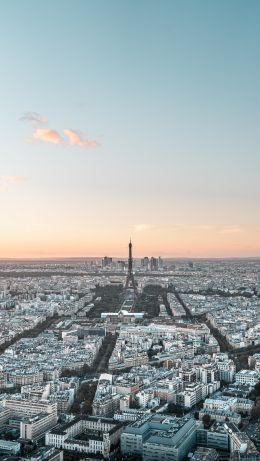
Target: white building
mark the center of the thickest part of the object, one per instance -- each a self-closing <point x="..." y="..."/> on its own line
<point x="248" y="377"/>
<point x="10" y="447"/>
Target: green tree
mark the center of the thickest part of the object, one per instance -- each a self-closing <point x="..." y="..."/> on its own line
<point x="206" y="420"/>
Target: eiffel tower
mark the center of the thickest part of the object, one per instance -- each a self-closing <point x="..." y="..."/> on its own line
<point x="130" y="281"/>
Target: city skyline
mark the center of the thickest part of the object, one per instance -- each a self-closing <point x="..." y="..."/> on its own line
<point x="130" y="118"/>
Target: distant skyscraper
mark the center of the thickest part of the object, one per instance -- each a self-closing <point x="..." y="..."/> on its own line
<point x="145" y="262"/>
<point x="106" y="261"/>
<point x="121" y="265"/>
<point x="160" y="262"/>
<point x="154" y="264"/>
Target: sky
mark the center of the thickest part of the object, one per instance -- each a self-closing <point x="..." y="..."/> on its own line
<point x="128" y="118"/>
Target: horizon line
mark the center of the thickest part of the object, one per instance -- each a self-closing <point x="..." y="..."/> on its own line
<point x="49" y="258"/>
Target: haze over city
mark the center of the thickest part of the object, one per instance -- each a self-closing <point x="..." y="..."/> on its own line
<point x="134" y="118"/>
<point x="129" y="249"/>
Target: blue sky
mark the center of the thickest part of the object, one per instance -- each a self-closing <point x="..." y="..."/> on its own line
<point x="168" y="90"/>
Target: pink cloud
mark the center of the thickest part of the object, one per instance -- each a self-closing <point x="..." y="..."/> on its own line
<point x="143" y="227"/>
<point x="13" y="179"/>
<point x="76" y="139"/>
<point x="48" y="135"/>
<point x="230" y="230"/>
<point x="5" y="181"/>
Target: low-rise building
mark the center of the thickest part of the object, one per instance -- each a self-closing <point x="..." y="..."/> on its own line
<point x="248" y="377"/>
<point x="45" y="454"/>
<point x="33" y="427"/>
<point x="86" y="435"/>
<point x="158" y="437"/>
<point x="9" y="447"/>
<point x="205" y="454"/>
<point x="220" y="415"/>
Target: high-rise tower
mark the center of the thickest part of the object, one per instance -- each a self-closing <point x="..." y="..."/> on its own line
<point x="130" y="281"/>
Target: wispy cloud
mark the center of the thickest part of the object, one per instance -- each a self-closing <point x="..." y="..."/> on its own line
<point x="143" y="227"/>
<point x="230" y="230"/>
<point x="52" y="136"/>
<point x="77" y="139"/>
<point x="204" y="227"/>
<point x="34" y="117"/>
<point x="47" y="135"/>
<point x="173" y="228"/>
<point x="68" y="137"/>
<point x="6" y="181"/>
